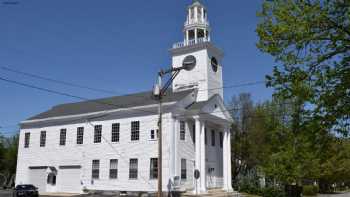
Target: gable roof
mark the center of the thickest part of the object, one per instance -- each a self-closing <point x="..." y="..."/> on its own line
<point x="110" y="103"/>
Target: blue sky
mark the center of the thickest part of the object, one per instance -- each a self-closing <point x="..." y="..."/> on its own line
<point x="114" y="45"/>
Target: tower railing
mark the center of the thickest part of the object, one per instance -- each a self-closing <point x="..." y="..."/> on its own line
<point x="190" y="42"/>
<point x="198" y="21"/>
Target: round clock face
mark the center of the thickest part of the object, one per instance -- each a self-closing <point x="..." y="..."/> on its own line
<point x="214" y="64"/>
<point x="189" y="62"/>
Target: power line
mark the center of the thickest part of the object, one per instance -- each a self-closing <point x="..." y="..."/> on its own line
<point x="109" y="91"/>
<point x="67" y="94"/>
<point x="57" y="81"/>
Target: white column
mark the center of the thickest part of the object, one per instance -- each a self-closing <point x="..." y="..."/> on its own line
<point x="229" y="175"/>
<point x="203" y="19"/>
<point x="224" y="160"/>
<point x="203" y="174"/>
<point x="197" y="148"/>
<point x="174" y="146"/>
<point x="195" y="35"/>
<point x="187" y="37"/>
<point x="196" y="14"/>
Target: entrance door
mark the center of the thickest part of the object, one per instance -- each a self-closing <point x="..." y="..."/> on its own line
<point x="68" y="180"/>
<point x="37" y="177"/>
<point x="211" y="177"/>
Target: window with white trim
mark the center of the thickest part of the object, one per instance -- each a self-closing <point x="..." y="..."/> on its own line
<point x="221" y="139"/>
<point x="63" y="136"/>
<point x="98" y="134"/>
<point x="135" y="130"/>
<point x="95" y="173"/>
<point x="153" y="168"/>
<point x="26" y="140"/>
<point x="115" y="132"/>
<point x="80" y="135"/>
<point x="42" y="138"/>
<point x="133" y="168"/>
<point x="212" y="137"/>
<point x="182" y="130"/>
<point x="183" y="169"/>
<point x="113" y="169"/>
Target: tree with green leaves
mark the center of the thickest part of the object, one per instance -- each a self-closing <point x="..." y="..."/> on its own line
<point x="310" y="40"/>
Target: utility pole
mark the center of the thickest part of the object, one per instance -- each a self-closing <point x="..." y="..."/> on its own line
<point x="159" y="92"/>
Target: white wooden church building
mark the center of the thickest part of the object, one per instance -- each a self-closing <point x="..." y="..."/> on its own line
<point x="111" y="143"/>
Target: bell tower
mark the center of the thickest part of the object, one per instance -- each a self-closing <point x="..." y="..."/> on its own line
<point x="206" y="76"/>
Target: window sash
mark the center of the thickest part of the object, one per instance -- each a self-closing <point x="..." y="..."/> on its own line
<point x="26" y="140"/>
<point x="221" y="139"/>
<point x="80" y="135"/>
<point x="63" y="136"/>
<point x="182" y="130"/>
<point x="212" y="137"/>
<point x="133" y="169"/>
<point x="115" y="132"/>
<point x="98" y="134"/>
<point x="113" y="169"/>
<point x="135" y="130"/>
<point x="183" y="169"/>
<point x="42" y="138"/>
<point x="154" y="168"/>
<point x="95" y="172"/>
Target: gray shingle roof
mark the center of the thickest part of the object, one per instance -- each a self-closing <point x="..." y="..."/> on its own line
<point x="111" y="103"/>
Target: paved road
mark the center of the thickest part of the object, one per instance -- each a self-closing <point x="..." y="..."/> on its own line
<point x="334" y="195"/>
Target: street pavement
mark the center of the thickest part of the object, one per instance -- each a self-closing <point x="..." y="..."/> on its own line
<point x="335" y="195"/>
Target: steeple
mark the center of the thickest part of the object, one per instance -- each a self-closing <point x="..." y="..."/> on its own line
<point x="196" y="27"/>
<point x="206" y="75"/>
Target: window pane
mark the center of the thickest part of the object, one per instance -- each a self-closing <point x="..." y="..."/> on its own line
<point x="115" y="132"/>
<point x="95" y="174"/>
<point x="42" y="138"/>
<point x="63" y="135"/>
<point x="135" y="130"/>
<point x="113" y="169"/>
<point x="212" y="137"/>
<point x="183" y="169"/>
<point x="80" y="135"/>
<point x="154" y="168"/>
<point x="26" y="140"/>
<point x="98" y="134"/>
<point x="221" y="139"/>
<point x="182" y="130"/>
<point x="133" y="168"/>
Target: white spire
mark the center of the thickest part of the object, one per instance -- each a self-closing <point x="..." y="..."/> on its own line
<point x="196" y="27"/>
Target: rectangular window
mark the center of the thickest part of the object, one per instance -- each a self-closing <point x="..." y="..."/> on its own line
<point x="42" y="138"/>
<point x="182" y="130"/>
<point x="115" y="132"/>
<point x="113" y="169"/>
<point x="95" y="174"/>
<point x="80" y="135"/>
<point x="153" y="135"/>
<point x="98" y="134"/>
<point x="26" y="140"/>
<point x="194" y="133"/>
<point x="154" y="168"/>
<point x="212" y="137"/>
<point x="205" y="136"/>
<point x="133" y="165"/>
<point x="221" y="139"/>
<point x="63" y="135"/>
<point x="183" y="169"/>
<point x="135" y="130"/>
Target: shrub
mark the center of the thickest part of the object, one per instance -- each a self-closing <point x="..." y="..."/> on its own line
<point x="272" y="192"/>
<point x="310" y="190"/>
